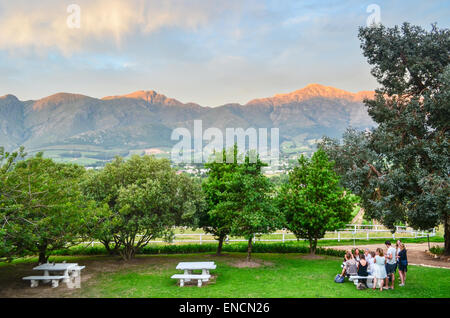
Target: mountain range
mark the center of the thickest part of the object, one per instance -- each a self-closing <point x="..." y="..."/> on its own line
<point x="145" y="119"/>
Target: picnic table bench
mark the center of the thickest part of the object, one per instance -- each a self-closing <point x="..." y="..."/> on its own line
<point x="35" y="280"/>
<point x="188" y="277"/>
<point x="189" y="267"/>
<point x="69" y="273"/>
<point x="369" y="279"/>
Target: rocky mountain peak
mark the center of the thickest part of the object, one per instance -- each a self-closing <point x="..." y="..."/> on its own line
<point x="312" y="91"/>
<point x="151" y="97"/>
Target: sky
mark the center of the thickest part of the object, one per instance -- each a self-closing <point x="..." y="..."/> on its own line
<point x="210" y="52"/>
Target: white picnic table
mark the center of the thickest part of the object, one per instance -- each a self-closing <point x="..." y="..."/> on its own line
<point x="188" y="267"/>
<point x="56" y="267"/>
<point x="52" y="272"/>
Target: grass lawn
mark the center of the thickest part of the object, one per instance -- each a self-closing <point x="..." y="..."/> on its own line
<point x="278" y="275"/>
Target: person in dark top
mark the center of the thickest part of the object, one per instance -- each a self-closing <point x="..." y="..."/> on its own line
<point x="402" y="264"/>
<point x="362" y="271"/>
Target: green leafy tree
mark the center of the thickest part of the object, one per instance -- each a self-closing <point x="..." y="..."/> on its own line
<point x="47" y="210"/>
<point x="313" y="202"/>
<point x="218" y="216"/>
<point x="250" y="195"/>
<point x="401" y="168"/>
<point x="360" y="169"/>
<point x="145" y="198"/>
<point x="7" y="163"/>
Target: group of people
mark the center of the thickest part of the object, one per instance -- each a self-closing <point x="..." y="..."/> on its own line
<point x="382" y="266"/>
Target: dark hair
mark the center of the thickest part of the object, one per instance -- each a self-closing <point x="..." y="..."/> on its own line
<point x="362" y="256"/>
<point x="387" y="242"/>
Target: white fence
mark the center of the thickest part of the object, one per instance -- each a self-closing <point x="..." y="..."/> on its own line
<point x="351" y="232"/>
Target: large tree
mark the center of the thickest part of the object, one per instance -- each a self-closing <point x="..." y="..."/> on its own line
<point x="146" y="198"/>
<point x="7" y="163"/>
<point x="45" y="209"/>
<point x="250" y="195"/>
<point x="218" y="216"/>
<point x="313" y="201"/>
<point x="401" y="168"/>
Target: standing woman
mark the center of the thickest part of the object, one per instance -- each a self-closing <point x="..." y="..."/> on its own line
<point x="379" y="269"/>
<point x="402" y="264"/>
<point x="397" y="250"/>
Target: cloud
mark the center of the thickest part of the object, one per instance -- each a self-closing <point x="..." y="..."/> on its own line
<point x="42" y="25"/>
<point x="296" y="20"/>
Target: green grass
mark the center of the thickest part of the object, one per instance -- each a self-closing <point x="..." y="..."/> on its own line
<point x="282" y="276"/>
<point x="279" y="275"/>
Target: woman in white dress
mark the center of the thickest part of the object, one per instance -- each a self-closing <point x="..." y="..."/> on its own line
<point x="379" y="270"/>
<point x="371" y="260"/>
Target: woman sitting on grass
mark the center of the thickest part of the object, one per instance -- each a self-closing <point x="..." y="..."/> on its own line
<point x="379" y="269"/>
<point x="402" y="264"/>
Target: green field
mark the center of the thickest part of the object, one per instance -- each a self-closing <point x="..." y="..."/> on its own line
<point x="90" y="154"/>
<point x="276" y="275"/>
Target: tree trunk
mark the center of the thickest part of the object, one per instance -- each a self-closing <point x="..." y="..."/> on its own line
<point x="128" y="253"/>
<point x="249" y="249"/>
<point x="219" y="248"/>
<point x="107" y="248"/>
<point x="107" y="245"/>
<point x="447" y="235"/>
<point x="42" y="254"/>
<point x="312" y="246"/>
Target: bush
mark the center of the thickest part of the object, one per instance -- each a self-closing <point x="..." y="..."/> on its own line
<point x="206" y="248"/>
<point x="241" y="247"/>
<point x="437" y="250"/>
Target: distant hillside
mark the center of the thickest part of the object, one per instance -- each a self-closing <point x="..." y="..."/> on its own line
<point x="145" y="119"/>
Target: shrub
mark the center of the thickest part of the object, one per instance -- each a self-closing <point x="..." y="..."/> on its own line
<point x="437" y="250"/>
<point x="206" y="248"/>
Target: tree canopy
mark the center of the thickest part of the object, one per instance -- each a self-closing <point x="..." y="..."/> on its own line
<point x="401" y="167"/>
<point x="313" y="201"/>
<point x="250" y="194"/>
<point x="45" y="209"/>
<point x="218" y="216"/>
<point x="145" y="199"/>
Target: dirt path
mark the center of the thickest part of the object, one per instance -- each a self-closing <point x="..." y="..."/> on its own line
<point x="416" y="253"/>
<point x="12" y="285"/>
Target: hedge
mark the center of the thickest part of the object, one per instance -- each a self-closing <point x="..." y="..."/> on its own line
<point x="205" y="248"/>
